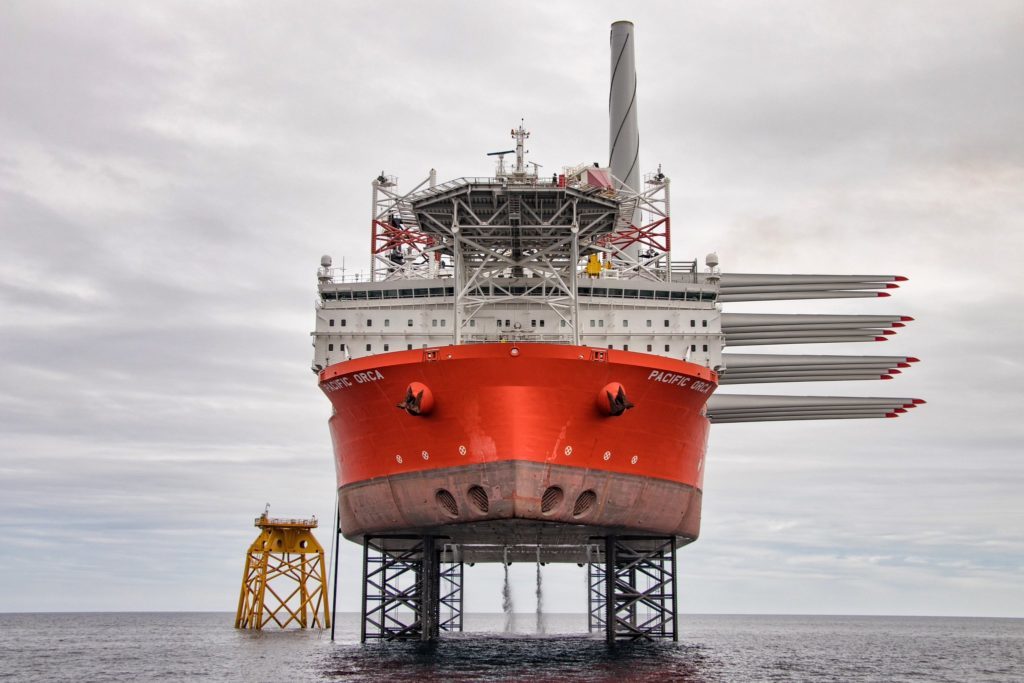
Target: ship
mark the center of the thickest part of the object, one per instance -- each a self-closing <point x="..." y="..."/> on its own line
<point x="525" y="367"/>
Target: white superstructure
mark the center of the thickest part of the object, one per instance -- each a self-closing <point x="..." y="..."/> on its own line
<point x="362" y="318"/>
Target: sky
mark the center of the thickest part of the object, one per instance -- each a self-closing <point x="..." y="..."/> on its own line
<point x="171" y="172"/>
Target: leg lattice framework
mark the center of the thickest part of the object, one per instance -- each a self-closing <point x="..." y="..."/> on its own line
<point x="405" y="589"/>
<point x="632" y="589"/>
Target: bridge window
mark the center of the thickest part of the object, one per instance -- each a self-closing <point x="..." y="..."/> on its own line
<point x="693" y="348"/>
<point x="330" y="347"/>
<point x="369" y="347"/>
<point x="330" y="323"/>
<point x="625" y="322"/>
<point x="444" y="322"/>
<point x="533" y="323"/>
<point x="344" y="322"/>
<point x="472" y="322"/>
<point x="385" y="347"/>
<point x="387" y="322"/>
<point x="498" y="321"/>
<point x="625" y="347"/>
<point x="600" y="323"/>
<point x="593" y="323"/>
<point x="703" y="323"/>
<point x="668" y="348"/>
<point x="649" y="348"/>
<point x="542" y="323"/>
<point x="666" y="323"/>
<point x="650" y="323"/>
<point x="408" y="347"/>
<point x="408" y="323"/>
<point x="369" y="322"/>
<point x="705" y="348"/>
<point x="433" y="323"/>
<point x="693" y="323"/>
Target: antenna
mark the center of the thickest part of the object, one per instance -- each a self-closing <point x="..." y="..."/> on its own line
<point x="501" y="160"/>
<point x="520" y="136"/>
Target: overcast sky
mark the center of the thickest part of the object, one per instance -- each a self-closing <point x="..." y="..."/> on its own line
<point x="170" y="174"/>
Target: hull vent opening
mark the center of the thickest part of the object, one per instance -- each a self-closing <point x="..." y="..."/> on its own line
<point x="551" y="500"/>
<point x="584" y="503"/>
<point x="446" y="501"/>
<point x="478" y="498"/>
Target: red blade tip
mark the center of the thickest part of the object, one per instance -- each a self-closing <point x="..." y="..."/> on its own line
<point x="893" y="371"/>
<point x="911" y="359"/>
<point x="903" y="365"/>
<point x="900" y="278"/>
<point x="896" y="325"/>
<point x="906" y="318"/>
<point x="900" y="410"/>
<point x="885" y="377"/>
<point x="891" y="415"/>
<point x="891" y="286"/>
<point x="888" y="332"/>
<point x="880" y="339"/>
<point x="882" y="293"/>
<point x="919" y="401"/>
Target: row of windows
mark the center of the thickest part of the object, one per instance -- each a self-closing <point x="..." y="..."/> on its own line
<point x="650" y="323"/>
<point x="442" y="322"/>
<point x="369" y="347"/>
<point x="625" y="347"/>
<point x="616" y="293"/>
<point x="387" y="322"/>
<point x="668" y="348"/>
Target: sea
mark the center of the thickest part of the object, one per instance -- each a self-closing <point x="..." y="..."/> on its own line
<point x="205" y="647"/>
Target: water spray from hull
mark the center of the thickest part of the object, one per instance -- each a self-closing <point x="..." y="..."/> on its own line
<point x="541" y="628"/>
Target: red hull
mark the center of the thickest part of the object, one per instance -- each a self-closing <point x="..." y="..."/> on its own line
<point x="515" y="420"/>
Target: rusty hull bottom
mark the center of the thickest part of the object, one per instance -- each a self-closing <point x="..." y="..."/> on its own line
<point x="515" y="515"/>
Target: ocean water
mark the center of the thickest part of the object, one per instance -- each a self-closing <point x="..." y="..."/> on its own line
<point x="204" y="646"/>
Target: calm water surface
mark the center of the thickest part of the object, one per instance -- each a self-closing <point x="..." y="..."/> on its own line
<point x="196" y="646"/>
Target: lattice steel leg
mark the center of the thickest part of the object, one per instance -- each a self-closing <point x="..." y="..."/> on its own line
<point x="640" y="586"/>
<point x="430" y="606"/>
<point x="451" y="591"/>
<point x="400" y="588"/>
<point x="595" y="594"/>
